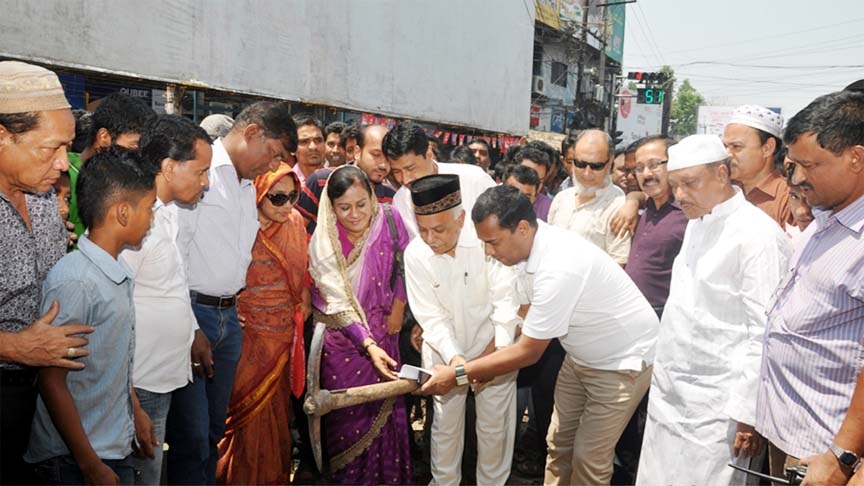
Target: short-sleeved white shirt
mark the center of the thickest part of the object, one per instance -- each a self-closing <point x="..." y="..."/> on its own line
<point x="581" y="296"/>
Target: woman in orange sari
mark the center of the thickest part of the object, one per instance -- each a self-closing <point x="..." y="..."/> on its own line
<point x="256" y="448"/>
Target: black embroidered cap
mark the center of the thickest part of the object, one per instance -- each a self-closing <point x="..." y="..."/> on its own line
<point x="436" y="193"/>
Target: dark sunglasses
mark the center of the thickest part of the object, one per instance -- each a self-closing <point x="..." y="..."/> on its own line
<point x="281" y="199"/>
<point x="595" y="166"/>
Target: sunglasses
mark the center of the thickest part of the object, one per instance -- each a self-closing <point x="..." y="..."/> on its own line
<point x="595" y="166"/>
<point x="281" y="199"/>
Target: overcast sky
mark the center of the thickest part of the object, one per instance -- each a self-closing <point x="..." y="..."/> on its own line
<point x="798" y="49"/>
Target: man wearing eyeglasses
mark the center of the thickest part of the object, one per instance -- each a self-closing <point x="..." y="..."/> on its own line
<point x="702" y="405"/>
<point x="588" y="207"/>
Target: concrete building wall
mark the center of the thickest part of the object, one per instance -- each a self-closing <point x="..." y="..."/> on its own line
<point x="445" y="61"/>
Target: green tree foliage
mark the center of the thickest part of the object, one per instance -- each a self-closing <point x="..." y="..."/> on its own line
<point x="685" y="109"/>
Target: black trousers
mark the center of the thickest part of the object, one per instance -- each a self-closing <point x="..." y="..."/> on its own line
<point x="541" y="377"/>
<point x="17" y="407"/>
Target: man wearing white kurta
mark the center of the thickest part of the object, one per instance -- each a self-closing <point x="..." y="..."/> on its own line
<point x="467" y="307"/>
<point x="702" y="405"/>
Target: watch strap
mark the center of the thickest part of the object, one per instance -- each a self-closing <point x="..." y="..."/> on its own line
<point x="846" y="458"/>
<point x="461" y="376"/>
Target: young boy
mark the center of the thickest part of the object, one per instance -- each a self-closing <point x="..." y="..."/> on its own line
<point x="64" y="195"/>
<point x="84" y="426"/>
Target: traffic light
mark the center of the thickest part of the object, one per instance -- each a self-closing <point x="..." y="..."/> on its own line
<point x="647" y="78"/>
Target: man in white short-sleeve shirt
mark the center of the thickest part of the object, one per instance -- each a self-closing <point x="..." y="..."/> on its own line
<point x="578" y="294"/>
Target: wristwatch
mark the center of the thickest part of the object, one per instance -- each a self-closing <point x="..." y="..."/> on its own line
<point x="846" y="458"/>
<point x="462" y="377"/>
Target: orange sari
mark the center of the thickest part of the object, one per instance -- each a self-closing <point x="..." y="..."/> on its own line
<point x="256" y="448"/>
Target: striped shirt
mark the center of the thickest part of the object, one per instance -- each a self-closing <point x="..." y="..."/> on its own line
<point x="814" y="343"/>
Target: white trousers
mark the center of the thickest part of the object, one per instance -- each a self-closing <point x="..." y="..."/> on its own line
<point x="496" y="433"/>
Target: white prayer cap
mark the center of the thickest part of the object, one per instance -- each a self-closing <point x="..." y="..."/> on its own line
<point x="758" y="117"/>
<point x="696" y="150"/>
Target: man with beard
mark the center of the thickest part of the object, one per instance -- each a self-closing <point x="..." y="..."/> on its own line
<point x="588" y="207"/>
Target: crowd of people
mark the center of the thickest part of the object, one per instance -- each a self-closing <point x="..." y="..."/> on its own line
<point x="657" y="312"/>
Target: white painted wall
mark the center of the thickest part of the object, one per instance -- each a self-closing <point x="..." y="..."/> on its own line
<point x="448" y="61"/>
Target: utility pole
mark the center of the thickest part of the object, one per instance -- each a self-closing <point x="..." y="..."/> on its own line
<point x="580" y="72"/>
<point x="601" y="71"/>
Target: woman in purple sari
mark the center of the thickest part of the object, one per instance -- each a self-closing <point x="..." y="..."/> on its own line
<point x="361" y="300"/>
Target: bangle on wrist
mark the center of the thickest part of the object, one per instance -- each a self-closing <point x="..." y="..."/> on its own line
<point x="368" y="345"/>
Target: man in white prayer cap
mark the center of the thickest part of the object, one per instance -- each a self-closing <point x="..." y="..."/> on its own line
<point x="752" y="140"/>
<point x="702" y="404"/>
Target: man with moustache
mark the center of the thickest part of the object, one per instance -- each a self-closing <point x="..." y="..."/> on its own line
<point x="579" y="295"/>
<point x="405" y="147"/>
<point x="216" y="238"/>
<point x="165" y="327"/>
<point x="311" y="150"/>
<point x="702" y="405"/>
<point x="660" y="232"/>
<point x="467" y="307"/>
<point x="588" y="207"/>
<point x="623" y="174"/>
<point x="752" y="140"/>
<point x="811" y="372"/>
<point x="480" y="149"/>
<point x="334" y="153"/>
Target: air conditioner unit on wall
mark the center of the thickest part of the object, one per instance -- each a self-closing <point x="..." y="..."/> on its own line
<point x="538" y="85"/>
<point x="599" y="93"/>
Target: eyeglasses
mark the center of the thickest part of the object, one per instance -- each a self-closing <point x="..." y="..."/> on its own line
<point x="652" y="166"/>
<point x="280" y="198"/>
<point x="595" y="166"/>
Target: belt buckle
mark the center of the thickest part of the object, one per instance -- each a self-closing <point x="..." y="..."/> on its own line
<point x="225" y="302"/>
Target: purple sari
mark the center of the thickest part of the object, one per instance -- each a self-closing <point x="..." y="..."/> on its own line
<point x="368" y="443"/>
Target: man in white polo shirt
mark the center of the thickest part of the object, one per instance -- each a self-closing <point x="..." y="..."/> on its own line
<point x="580" y="295"/>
